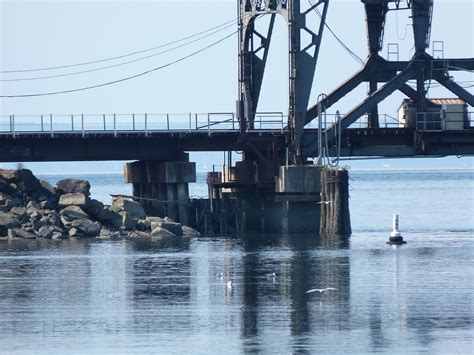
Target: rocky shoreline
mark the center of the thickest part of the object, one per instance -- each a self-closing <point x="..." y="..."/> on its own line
<point x="31" y="208"/>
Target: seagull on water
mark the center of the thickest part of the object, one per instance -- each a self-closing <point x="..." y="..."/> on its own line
<point x="324" y="202"/>
<point x="321" y="290"/>
<point x="228" y="285"/>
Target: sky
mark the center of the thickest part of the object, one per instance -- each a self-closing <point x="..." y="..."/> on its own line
<point x="38" y="34"/>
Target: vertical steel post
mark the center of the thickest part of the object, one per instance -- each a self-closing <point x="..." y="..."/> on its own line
<point x="133" y="120"/>
<point x="82" y="124"/>
<point x="319" y="161"/>
<point x="146" y="124"/>
<point x="115" y="126"/>
<point x="103" y="117"/>
<point x="13" y="126"/>
<point x="208" y="126"/>
<point x="51" y="124"/>
<point x="168" y="121"/>
<point x="72" y="123"/>
<point x="42" y="124"/>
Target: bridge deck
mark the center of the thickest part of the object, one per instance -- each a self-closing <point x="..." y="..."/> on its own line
<point x="75" y="138"/>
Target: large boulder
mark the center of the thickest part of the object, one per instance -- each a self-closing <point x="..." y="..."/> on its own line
<point x="46" y="232"/>
<point x="152" y="219"/>
<point x="189" y="232"/>
<point x="73" y="212"/>
<point x="6" y="188"/>
<point x="120" y="204"/>
<point x="110" y="218"/>
<point x="68" y="186"/>
<point x="7" y="174"/>
<point x="86" y="227"/>
<point x="9" y="220"/>
<point x="21" y="233"/>
<point x="48" y="188"/>
<point x="173" y="227"/>
<point x="75" y="199"/>
<point x="129" y="221"/>
<point x="141" y="226"/>
<point x="20" y="213"/>
<point x="23" y="179"/>
<point x="106" y="233"/>
<point x="50" y="218"/>
<point x="94" y="207"/>
<point x="159" y="232"/>
<point x="32" y="207"/>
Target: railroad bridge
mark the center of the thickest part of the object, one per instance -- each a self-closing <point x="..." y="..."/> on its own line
<point x="283" y="153"/>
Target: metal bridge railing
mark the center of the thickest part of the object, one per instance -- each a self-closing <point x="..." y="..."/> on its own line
<point x="470" y="119"/>
<point x="52" y="124"/>
<point x="444" y="121"/>
<point x="385" y="121"/>
<point x="270" y="121"/>
<point x="428" y="121"/>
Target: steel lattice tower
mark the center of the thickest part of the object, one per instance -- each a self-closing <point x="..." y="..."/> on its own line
<point x="253" y="52"/>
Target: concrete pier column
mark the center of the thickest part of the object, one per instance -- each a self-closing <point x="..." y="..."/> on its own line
<point x="335" y="214"/>
<point x="162" y="187"/>
<point x="298" y="188"/>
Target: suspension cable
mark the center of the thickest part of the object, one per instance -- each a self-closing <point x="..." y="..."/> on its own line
<point x="126" y="78"/>
<point x="120" y="64"/>
<point x="132" y="76"/>
<point x="351" y="53"/>
<point x="121" y="56"/>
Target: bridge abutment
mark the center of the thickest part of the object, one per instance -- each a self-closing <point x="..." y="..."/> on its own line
<point x="162" y="187"/>
<point x="291" y="205"/>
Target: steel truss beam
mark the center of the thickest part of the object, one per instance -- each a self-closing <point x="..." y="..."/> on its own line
<point x="385" y="70"/>
<point x="302" y="60"/>
<point x="253" y="55"/>
<point x="395" y="74"/>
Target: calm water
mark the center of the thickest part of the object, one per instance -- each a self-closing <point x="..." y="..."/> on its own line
<point x="106" y="297"/>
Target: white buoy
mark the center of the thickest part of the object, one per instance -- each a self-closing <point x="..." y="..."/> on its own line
<point x="395" y="231"/>
<point x="396" y="236"/>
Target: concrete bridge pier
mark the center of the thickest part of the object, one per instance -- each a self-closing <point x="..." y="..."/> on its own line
<point x="261" y="198"/>
<point x="162" y="187"/>
<point x="298" y="188"/>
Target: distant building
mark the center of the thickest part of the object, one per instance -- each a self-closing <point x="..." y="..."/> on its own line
<point x="443" y="114"/>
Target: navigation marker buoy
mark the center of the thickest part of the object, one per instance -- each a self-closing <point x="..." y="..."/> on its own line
<point x="395" y="237"/>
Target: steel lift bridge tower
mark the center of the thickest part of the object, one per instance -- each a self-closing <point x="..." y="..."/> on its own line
<point x="392" y="75"/>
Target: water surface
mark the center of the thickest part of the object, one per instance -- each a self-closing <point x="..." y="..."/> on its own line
<point x="132" y="296"/>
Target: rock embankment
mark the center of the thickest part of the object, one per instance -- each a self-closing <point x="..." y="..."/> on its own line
<point x="32" y="208"/>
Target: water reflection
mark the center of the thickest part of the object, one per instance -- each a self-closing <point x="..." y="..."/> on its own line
<point x="96" y="295"/>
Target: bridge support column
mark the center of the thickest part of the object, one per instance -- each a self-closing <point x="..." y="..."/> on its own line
<point x="335" y="215"/>
<point x="162" y="187"/>
<point x="298" y="188"/>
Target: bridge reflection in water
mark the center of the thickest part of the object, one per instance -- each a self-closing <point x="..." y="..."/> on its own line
<point x="137" y="296"/>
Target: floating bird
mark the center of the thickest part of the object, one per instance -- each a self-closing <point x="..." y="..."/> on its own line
<point x="228" y="285"/>
<point x="220" y="275"/>
<point x="324" y="202"/>
<point x="271" y="275"/>
<point x="322" y="290"/>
